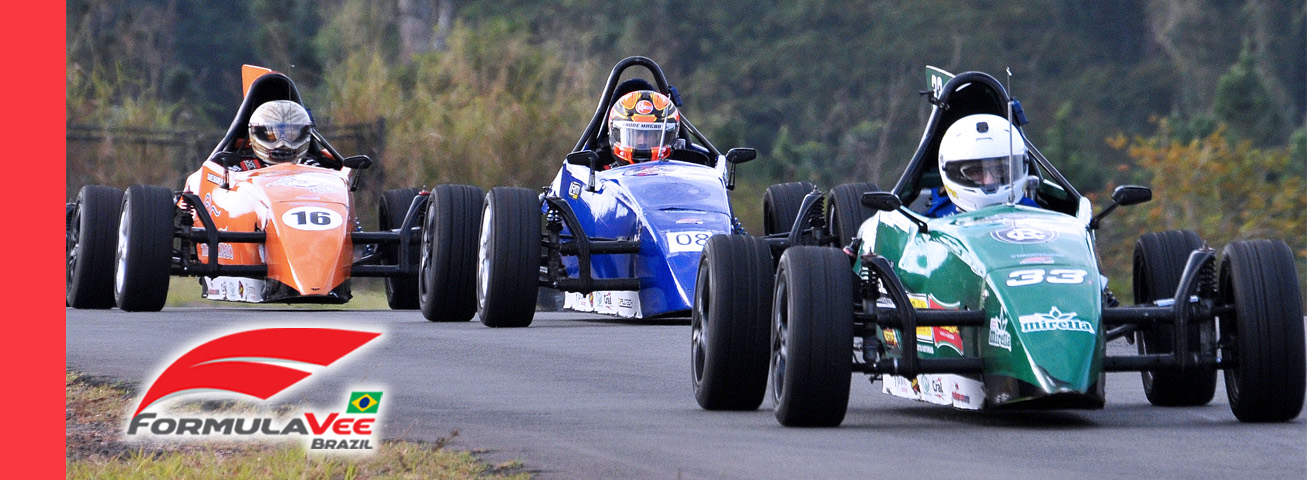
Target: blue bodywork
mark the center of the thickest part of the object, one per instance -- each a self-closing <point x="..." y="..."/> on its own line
<point x="671" y="207"/>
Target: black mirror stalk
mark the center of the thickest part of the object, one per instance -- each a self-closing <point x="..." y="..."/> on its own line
<point x="1123" y="196"/>
<point x="888" y="202"/>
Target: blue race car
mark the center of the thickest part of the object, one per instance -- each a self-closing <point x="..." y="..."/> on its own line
<point x="616" y="238"/>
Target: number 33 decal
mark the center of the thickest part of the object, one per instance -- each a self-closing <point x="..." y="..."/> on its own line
<point x="1067" y="276"/>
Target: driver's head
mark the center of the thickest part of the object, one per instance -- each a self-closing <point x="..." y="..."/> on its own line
<point x="642" y="126"/>
<point x="279" y="131"/>
<point x="975" y="161"/>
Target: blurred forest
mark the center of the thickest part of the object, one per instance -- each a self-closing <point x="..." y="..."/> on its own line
<point x="1203" y="100"/>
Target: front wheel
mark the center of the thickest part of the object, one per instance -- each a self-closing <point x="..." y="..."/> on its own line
<point x="812" y="337"/>
<point x="144" y="254"/>
<point x="728" y="325"/>
<point x="780" y="205"/>
<point x="508" y="267"/>
<point x="1263" y="331"/>
<point x="1159" y="262"/>
<point x="447" y="269"/>
<point x="401" y="292"/>
<point x="845" y="211"/>
<point x="91" y="241"/>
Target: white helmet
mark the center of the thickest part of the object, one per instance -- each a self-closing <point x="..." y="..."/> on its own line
<point x="279" y="131"/>
<point x="975" y="157"/>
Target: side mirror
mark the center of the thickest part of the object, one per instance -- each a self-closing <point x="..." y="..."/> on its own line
<point x="227" y="159"/>
<point x="881" y="201"/>
<point x="586" y="158"/>
<point x="1123" y="195"/>
<point x="737" y="156"/>
<point x="357" y="162"/>
<point x="1127" y="195"/>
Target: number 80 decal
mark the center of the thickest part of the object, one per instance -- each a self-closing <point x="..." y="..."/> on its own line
<point x="687" y="241"/>
<point x="1065" y="276"/>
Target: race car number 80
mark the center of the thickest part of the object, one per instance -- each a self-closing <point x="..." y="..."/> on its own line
<point x="687" y="241"/>
<point x="311" y="218"/>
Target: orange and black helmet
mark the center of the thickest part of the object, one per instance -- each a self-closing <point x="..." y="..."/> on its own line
<point x="642" y="126"/>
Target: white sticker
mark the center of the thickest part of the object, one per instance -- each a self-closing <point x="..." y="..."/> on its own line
<point x="311" y="218"/>
<point x="687" y="241"/>
<point x="1067" y="276"/>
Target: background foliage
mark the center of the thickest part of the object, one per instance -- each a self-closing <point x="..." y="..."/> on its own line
<point x="1203" y="100"/>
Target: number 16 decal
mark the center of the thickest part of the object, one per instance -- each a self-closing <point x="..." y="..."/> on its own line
<point x="311" y="218"/>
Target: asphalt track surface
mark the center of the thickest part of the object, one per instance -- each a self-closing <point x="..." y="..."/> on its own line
<point x="577" y="396"/>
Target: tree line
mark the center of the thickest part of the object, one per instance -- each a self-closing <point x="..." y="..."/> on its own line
<point x="1187" y="96"/>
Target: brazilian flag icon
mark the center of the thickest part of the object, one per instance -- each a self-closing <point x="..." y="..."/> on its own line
<point x="364" y="402"/>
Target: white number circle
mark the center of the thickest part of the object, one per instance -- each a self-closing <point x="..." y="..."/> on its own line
<point x="311" y="218"/>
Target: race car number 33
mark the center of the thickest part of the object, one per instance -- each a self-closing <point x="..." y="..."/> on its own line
<point x="687" y="241"/>
<point x="311" y="218"/>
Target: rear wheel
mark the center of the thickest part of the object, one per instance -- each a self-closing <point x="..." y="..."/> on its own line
<point x="508" y="267"/>
<point x="401" y="292"/>
<point x="144" y="253"/>
<point x="1159" y="262"/>
<point x="92" y="238"/>
<point x="780" y="205"/>
<point x="845" y="211"/>
<point x="447" y="271"/>
<point x="812" y="337"/>
<point x="728" y="325"/>
<point x="1263" y="332"/>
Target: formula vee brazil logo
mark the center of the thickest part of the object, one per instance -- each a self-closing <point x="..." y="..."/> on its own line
<point x="261" y="363"/>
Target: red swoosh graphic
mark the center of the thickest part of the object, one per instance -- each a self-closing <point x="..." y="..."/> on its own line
<point x="213" y="366"/>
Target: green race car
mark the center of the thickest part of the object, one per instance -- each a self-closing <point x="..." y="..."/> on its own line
<point x="997" y="307"/>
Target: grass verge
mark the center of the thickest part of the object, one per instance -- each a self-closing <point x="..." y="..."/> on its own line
<point x="95" y="449"/>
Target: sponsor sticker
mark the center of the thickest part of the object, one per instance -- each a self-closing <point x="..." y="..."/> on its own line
<point x="998" y="334"/>
<point x="643" y="107"/>
<point x="307" y="184"/>
<point x="1054" y="320"/>
<point x="1023" y="235"/>
<point x="574" y="190"/>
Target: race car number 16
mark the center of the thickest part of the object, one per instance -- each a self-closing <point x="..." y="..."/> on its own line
<point x="311" y="218"/>
<point x="687" y="241"/>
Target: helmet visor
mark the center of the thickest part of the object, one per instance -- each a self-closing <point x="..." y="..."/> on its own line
<point x="291" y="133"/>
<point x="644" y="135"/>
<point x="981" y="172"/>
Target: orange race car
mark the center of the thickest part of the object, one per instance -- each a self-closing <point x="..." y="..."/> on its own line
<point x="270" y="217"/>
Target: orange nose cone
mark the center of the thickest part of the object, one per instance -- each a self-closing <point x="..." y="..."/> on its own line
<point x="309" y="246"/>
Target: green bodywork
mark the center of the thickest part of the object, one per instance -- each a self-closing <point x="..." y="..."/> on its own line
<point x="1035" y="274"/>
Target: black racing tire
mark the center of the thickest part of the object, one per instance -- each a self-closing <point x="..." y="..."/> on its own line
<point x="1159" y="262"/>
<point x="447" y="268"/>
<point x="728" y="324"/>
<point x="812" y="337"/>
<point x="92" y="239"/>
<point x="145" y="248"/>
<point x="780" y="205"/>
<point x="1263" y="333"/>
<point x="508" y="268"/>
<point x="845" y="211"/>
<point x="401" y="292"/>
